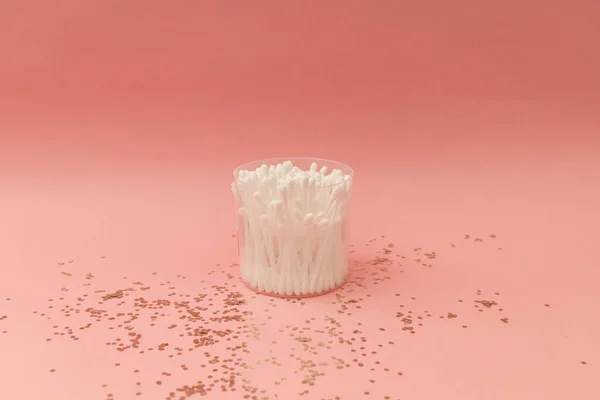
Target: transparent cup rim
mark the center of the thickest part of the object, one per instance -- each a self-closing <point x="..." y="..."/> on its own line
<point x="277" y="160"/>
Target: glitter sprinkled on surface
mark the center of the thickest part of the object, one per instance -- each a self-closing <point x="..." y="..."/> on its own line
<point x="229" y="333"/>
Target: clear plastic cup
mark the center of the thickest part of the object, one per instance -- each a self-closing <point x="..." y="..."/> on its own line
<point x="292" y="226"/>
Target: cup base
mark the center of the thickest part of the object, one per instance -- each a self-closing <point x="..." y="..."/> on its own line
<point x="294" y="296"/>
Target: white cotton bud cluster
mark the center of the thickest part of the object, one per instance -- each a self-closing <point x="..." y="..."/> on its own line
<point x="291" y="228"/>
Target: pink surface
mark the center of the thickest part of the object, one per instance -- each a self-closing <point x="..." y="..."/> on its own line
<point x="120" y="124"/>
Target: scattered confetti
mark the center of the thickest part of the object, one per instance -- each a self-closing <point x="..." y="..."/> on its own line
<point x="219" y="324"/>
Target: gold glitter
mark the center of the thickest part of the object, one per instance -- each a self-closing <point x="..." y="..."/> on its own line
<point x="486" y="303"/>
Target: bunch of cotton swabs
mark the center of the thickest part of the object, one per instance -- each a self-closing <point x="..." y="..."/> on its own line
<point x="291" y="225"/>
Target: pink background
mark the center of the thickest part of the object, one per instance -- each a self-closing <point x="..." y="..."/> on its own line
<point x="120" y="124"/>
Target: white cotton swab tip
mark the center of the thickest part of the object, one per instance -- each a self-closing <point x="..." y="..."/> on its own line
<point x="323" y="223"/>
<point x="264" y="220"/>
<point x="259" y="200"/>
